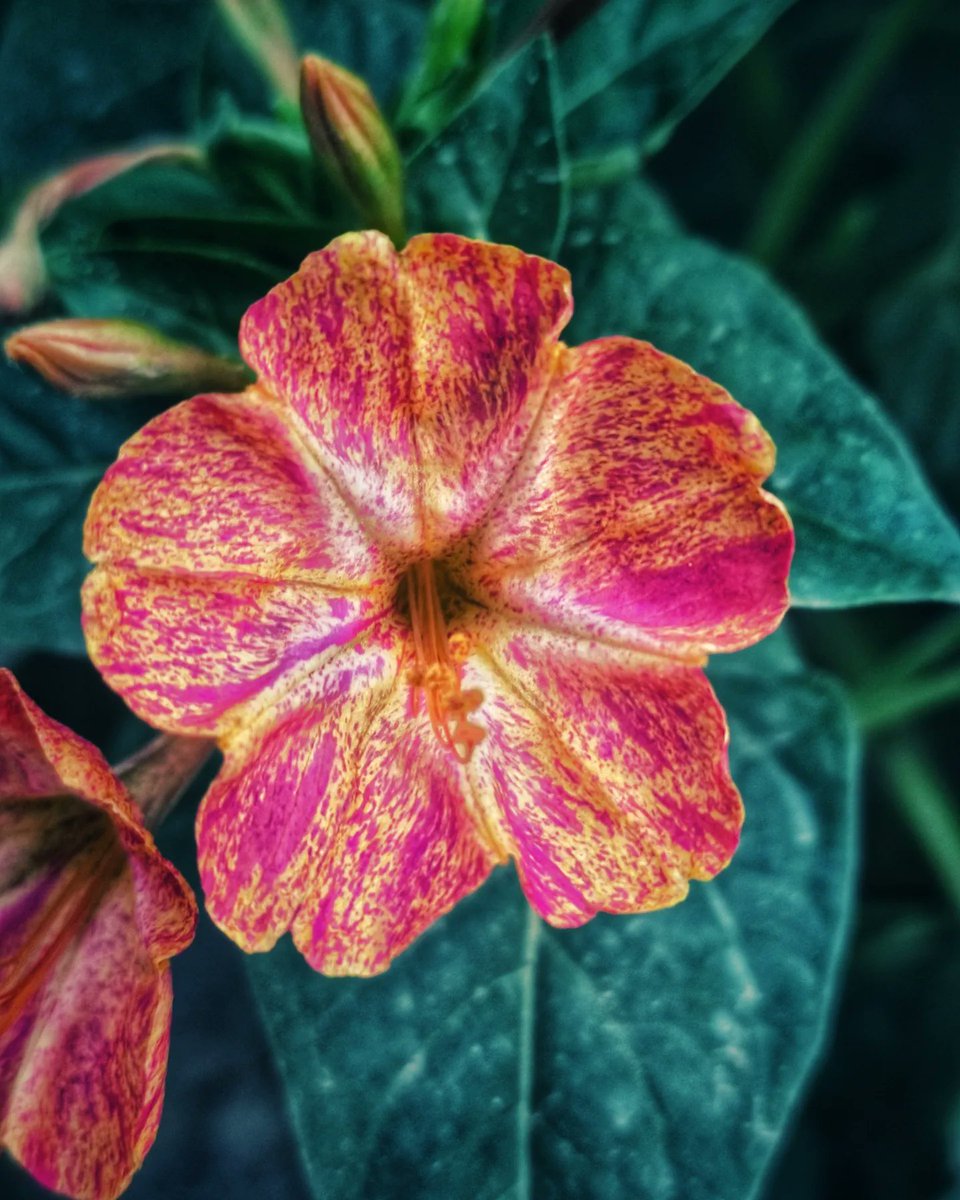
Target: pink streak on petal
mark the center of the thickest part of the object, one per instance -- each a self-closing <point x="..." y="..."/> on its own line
<point x="604" y="772"/>
<point x="259" y="859"/>
<point x="219" y="484"/>
<point x="407" y="850"/>
<point x="637" y="514"/>
<point x="485" y="322"/>
<point x="333" y="343"/>
<point x="188" y="653"/>
<point x="82" y="1071"/>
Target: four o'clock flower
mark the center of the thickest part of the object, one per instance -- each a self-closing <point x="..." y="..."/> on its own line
<point x="90" y="914"/>
<point x="443" y="589"/>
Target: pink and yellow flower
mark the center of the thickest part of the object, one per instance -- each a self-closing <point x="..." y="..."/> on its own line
<point x="443" y="588"/>
<point x="90" y="914"/>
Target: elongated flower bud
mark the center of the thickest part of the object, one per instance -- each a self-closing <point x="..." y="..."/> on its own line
<point x="23" y="278"/>
<point x="261" y="28"/>
<point x="102" y="359"/>
<point x="353" y="143"/>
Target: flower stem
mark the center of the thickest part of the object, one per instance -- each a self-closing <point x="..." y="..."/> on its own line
<point x="880" y="706"/>
<point x="922" y="651"/>
<point x="928" y="809"/>
<point x="158" y="774"/>
<point x="813" y="153"/>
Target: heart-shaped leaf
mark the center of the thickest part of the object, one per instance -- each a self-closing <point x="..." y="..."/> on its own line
<point x="498" y="172"/>
<point x="631" y="71"/>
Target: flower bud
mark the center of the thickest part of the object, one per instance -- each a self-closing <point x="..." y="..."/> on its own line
<point x="23" y="277"/>
<point x="102" y="359"/>
<point x="261" y="28"/>
<point x="353" y="143"/>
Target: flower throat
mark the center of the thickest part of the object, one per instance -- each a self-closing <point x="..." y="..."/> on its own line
<point x="438" y="670"/>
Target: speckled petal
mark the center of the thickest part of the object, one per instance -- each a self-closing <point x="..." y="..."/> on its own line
<point x="603" y="772"/>
<point x="485" y="322"/>
<point x="195" y="654"/>
<point x="222" y="485"/>
<point x="637" y="514"/>
<point x="365" y="840"/>
<point x="334" y="342"/>
<point x="82" y="1070"/>
<point x="41" y="759"/>
<point x="407" y="849"/>
<point x="417" y="375"/>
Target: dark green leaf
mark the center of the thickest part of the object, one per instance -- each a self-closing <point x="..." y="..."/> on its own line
<point x="455" y="51"/>
<point x="53" y="451"/>
<point x="655" y="1056"/>
<point x="171" y="246"/>
<point x="632" y="71"/>
<point x="498" y="172"/>
<point x="78" y="78"/>
<point x="915" y="345"/>
<point x="378" y="41"/>
<point x="515" y="21"/>
<point x="868" y="528"/>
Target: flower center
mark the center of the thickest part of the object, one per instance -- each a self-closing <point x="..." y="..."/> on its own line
<point x="59" y="919"/>
<point x="438" y="671"/>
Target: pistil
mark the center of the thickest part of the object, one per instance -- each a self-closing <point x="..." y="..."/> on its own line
<point x="438" y="673"/>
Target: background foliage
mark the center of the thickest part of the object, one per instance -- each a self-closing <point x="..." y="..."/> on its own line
<point x="777" y="206"/>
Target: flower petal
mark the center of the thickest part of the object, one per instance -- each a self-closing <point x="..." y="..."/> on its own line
<point x="637" y="513"/>
<point x="220" y="484"/>
<point x="417" y="376"/>
<point x="333" y="342"/>
<point x="603" y="772"/>
<point x="188" y="654"/>
<point x="82" y="1070"/>
<point x="485" y="324"/>
<point x="365" y="840"/>
<point x="53" y="787"/>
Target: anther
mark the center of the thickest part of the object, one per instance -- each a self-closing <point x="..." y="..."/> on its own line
<point x="438" y="670"/>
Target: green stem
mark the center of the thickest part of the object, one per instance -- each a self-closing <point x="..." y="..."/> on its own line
<point x="604" y="169"/>
<point x="919" y="652"/>
<point x="928" y="809"/>
<point x="812" y="155"/>
<point x="878" y="707"/>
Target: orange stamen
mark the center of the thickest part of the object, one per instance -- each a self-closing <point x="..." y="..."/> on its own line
<point x="64" y="916"/>
<point x="437" y="674"/>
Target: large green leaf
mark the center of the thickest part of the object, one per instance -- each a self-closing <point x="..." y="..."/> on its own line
<point x="498" y="172"/>
<point x="654" y="1057"/>
<point x="53" y="451"/>
<point x="632" y="71"/>
<point x="75" y="78"/>
<point x="868" y="528"/>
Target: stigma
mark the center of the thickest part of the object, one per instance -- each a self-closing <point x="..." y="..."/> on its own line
<point x="438" y="672"/>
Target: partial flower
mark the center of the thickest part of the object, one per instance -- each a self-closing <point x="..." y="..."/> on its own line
<point x="443" y="588"/>
<point x="353" y="143"/>
<point x="109" y="359"/>
<point x="90" y="914"/>
<point x="23" y="276"/>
